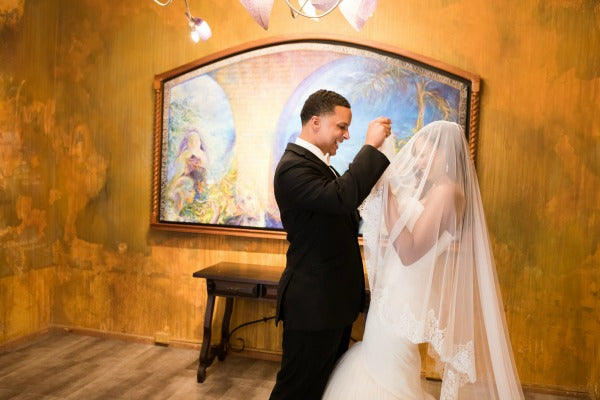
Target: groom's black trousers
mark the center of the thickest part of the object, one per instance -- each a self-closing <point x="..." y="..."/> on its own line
<point x="307" y="361"/>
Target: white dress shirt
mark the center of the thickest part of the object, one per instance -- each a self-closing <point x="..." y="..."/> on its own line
<point x="317" y="152"/>
<point x="313" y="149"/>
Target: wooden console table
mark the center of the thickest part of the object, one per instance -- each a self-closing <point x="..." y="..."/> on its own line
<point x="231" y="280"/>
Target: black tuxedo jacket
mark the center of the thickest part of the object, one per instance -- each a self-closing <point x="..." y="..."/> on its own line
<point x="322" y="286"/>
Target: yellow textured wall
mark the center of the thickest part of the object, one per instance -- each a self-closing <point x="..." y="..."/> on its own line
<point x="27" y="229"/>
<point x="76" y="128"/>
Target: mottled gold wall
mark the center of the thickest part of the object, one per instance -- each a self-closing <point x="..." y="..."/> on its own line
<point x="76" y="126"/>
<point x="27" y="227"/>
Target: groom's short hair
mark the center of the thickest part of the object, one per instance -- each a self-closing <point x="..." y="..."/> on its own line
<point x="322" y="102"/>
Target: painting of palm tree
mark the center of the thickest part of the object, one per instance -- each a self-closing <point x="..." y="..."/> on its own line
<point x="378" y="81"/>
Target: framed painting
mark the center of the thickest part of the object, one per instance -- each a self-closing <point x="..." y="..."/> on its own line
<point x="222" y="122"/>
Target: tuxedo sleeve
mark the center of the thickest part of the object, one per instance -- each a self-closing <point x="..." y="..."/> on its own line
<point x="304" y="185"/>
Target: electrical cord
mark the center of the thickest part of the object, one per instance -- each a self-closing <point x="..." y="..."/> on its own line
<point x="228" y="344"/>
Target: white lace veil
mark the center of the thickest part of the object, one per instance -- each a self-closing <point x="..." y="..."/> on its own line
<point x="430" y="264"/>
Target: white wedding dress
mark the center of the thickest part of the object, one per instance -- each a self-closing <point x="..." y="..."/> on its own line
<point x="426" y="209"/>
<point x="386" y="364"/>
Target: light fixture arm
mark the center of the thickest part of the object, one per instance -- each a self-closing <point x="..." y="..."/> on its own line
<point x="188" y="14"/>
<point x="187" y="6"/>
<point x="297" y="11"/>
<point x="166" y="3"/>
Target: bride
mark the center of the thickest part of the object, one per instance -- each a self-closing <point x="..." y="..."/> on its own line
<point x="432" y="281"/>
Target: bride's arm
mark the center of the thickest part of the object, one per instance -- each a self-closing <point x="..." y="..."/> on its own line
<point x="411" y="246"/>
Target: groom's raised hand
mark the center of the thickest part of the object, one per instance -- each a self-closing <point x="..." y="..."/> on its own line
<point x="378" y="130"/>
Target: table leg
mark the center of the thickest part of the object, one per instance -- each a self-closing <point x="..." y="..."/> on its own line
<point x="206" y="356"/>
<point x="223" y="347"/>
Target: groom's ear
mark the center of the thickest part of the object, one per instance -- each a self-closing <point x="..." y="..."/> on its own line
<point x="315" y="122"/>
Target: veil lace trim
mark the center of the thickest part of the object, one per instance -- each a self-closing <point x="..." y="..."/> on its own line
<point x="458" y="367"/>
<point x="370" y="210"/>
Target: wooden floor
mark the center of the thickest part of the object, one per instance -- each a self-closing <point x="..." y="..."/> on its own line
<point x="61" y="365"/>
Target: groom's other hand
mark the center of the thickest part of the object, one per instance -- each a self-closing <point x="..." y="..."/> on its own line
<point x="378" y="130"/>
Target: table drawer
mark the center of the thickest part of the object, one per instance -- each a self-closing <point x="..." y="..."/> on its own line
<point x="269" y="292"/>
<point x="227" y="288"/>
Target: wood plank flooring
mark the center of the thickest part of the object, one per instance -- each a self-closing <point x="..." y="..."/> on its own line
<point x="61" y="365"/>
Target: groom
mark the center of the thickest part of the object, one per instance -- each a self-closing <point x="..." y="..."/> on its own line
<point x="321" y="290"/>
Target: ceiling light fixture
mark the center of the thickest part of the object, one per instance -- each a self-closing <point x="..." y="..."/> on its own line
<point x="199" y="27"/>
<point x="356" y="12"/>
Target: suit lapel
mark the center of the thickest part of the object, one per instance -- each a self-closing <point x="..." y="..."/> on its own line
<point x="305" y="153"/>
